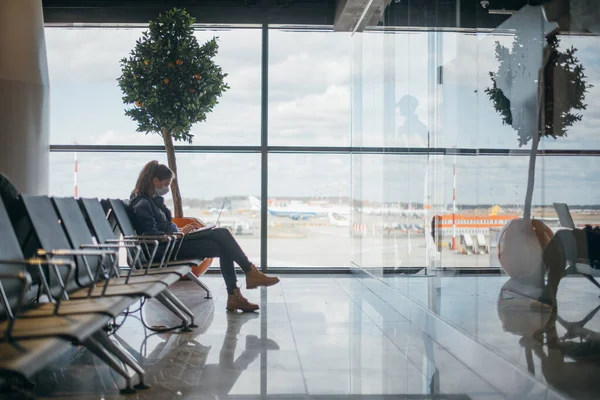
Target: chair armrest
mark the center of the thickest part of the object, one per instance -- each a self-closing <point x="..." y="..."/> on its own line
<point x="148" y="241"/>
<point x="108" y="246"/>
<point x="137" y="239"/>
<point x="52" y="262"/>
<point x="135" y="258"/>
<point x="25" y="279"/>
<point x="74" y="252"/>
<point x="137" y="248"/>
<point x="173" y="257"/>
<point x="170" y="239"/>
<point x="160" y="238"/>
<point x="172" y="253"/>
<point x="69" y="264"/>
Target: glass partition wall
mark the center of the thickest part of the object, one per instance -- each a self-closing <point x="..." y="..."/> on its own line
<point x="304" y="135"/>
<point x="367" y="137"/>
<point x="452" y="170"/>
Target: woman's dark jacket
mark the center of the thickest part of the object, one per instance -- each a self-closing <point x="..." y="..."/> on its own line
<point x="150" y="216"/>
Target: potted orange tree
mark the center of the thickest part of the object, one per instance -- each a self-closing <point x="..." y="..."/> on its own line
<point x="538" y="102"/>
<point x="170" y="83"/>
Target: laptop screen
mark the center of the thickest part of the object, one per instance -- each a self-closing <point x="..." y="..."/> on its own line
<point x="564" y="215"/>
<point x="220" y="212"/>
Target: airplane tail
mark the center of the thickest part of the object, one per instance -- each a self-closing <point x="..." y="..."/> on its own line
<point x="332" y="219"/>
<point x="338" y="220"/>
<point x="494" y="211"/>
<point x="254" y="203"/>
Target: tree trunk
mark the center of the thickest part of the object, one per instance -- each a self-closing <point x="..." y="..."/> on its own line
<point x="177" y="206"/>
<point x="531" y="177"/>
<point x="545" y="90"/>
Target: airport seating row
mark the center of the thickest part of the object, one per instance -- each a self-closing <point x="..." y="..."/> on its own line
<point x="70" y="290"/>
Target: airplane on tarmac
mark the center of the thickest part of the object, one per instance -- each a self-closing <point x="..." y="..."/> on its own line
<point x="301" y="211"/>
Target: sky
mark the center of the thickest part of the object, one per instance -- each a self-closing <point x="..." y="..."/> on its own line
<point x="325" y="89"/>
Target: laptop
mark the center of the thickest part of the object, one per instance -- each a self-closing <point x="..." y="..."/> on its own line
<point x="209" y="227"/>
<point x="564" y="215"/>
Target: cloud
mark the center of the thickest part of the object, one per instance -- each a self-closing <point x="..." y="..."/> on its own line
<point x="87" y="55"/>
<point x="123" y="138"/>
<point x="320" y="119"/>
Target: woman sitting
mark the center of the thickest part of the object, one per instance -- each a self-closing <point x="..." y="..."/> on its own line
<point x="152" y="217"/>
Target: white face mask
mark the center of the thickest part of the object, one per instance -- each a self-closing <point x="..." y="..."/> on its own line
<point x="162" y="191"/>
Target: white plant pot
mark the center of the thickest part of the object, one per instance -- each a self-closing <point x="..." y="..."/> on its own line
<point x="520" y="251"/>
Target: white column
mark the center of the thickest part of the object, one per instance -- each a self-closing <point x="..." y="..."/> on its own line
<point x="24" y="96"/>
<point x="75" y="187"/>
<point x="454" y="204"/>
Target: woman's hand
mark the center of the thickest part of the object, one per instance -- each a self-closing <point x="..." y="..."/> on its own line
<point x="190" y="227"/>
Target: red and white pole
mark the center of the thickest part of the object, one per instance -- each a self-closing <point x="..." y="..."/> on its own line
<point x="454" y="205"/>
<point x="75" y="189"/>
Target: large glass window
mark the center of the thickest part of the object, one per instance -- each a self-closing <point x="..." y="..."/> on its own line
<point x="309" y="214"/>
<point x="413" y="96"/>
<point x="309" y="88"/>
<point x="388" y="224"/>
<point x="393" y="104"/>
<point x="86" y="99"/>
<point x="423" y="96"/>
<point x="209" y="183"/>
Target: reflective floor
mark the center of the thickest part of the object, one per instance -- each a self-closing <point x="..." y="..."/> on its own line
<point x="324" y="337"/>
<point x="560" y="349"/>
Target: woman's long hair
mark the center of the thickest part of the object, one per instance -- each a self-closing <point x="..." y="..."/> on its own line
<point x="144" y="185"/>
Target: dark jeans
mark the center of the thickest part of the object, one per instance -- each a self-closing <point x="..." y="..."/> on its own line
<point x="218" y="242"/>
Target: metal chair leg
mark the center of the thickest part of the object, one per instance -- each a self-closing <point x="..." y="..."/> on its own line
<point x="109" y="359"/>
<point x="123" y="356"/>
<point x="592" y="279"/>
<point x="198" y="282"/>
<point x="168" y="294"/>
<point x="173" y="308"/>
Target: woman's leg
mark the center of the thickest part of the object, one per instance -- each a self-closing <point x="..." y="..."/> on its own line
<point x="230" y="246"/>
<point x="254" y="277"/>
<point x="205" y="248"/>
<point x="230" y="249"/>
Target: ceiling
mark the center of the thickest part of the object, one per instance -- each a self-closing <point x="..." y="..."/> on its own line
<point x="405" y="13"/>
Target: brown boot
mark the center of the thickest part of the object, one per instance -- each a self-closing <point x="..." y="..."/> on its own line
<point x="255" y="278"/>
<point x="238" y="302"/>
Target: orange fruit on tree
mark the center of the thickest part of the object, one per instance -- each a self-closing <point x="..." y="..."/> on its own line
<point x="197" y="76"/>
<point x="166" y="81"/>
<point x="179" y="62"/>
<point x="146" y="62"/>
<point x="138" y="103"/>
<point x="170" y="65"/>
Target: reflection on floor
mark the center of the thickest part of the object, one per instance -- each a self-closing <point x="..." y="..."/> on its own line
<point x="314" y="337"/>
<point x="561" y="349"/>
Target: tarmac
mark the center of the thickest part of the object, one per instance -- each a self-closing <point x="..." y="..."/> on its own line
<point x="315" y="242"/>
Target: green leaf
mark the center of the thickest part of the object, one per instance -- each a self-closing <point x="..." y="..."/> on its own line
<point x="181" y="100"/>
<point x="569" y="85"/>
